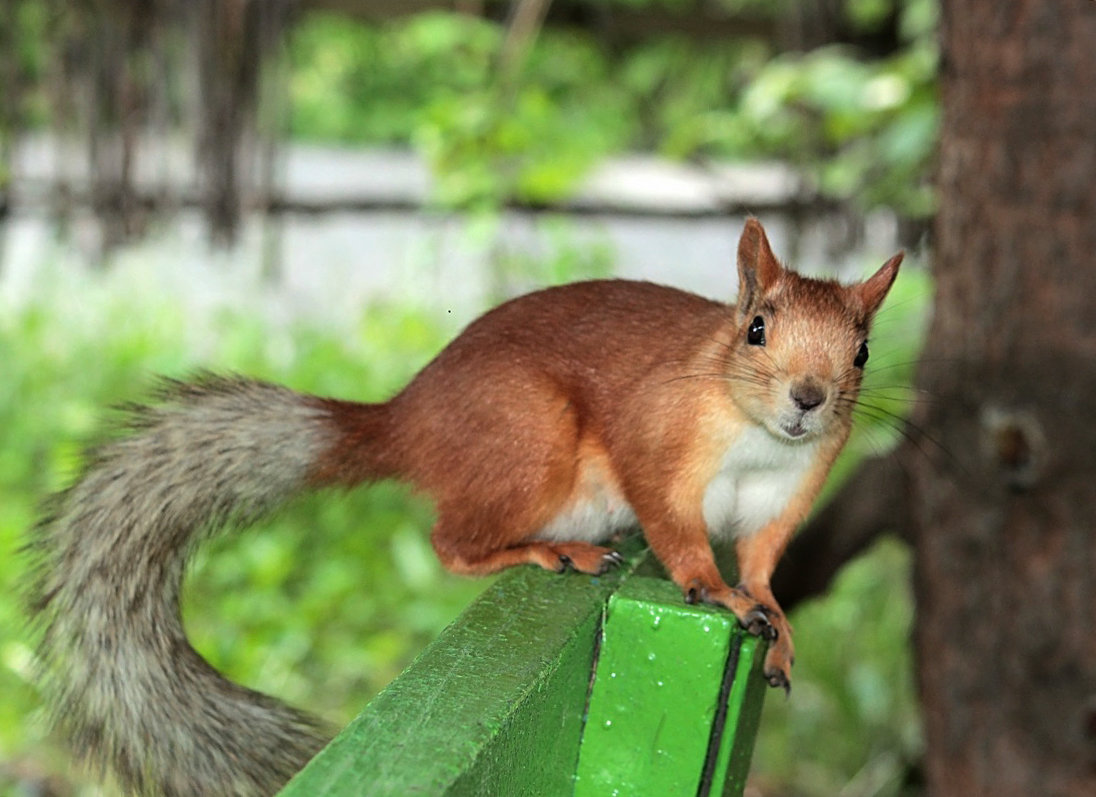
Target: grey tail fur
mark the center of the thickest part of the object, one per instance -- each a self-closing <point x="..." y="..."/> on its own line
<point x="117" y="670"/>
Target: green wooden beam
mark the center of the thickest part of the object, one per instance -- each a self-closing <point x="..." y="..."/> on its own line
<point x="675" y="701"/>
<point x="498" y="703"/>
<point x="493" y="706"/>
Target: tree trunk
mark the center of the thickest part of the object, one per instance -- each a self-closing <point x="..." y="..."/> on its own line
<point x="1004" y="522"/>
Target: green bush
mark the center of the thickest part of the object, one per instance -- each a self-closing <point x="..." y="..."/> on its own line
<point x="863" y="130"/>
<point x="321" y="605"/>
<point x="851" y="725"/>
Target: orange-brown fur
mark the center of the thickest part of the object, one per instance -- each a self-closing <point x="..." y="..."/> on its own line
<point x="633" y="381"/>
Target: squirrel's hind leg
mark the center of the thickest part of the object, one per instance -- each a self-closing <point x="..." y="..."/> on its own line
<point x="459" y="553"/>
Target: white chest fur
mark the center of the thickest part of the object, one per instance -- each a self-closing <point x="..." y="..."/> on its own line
<point x="757" y="478"/>
<point x="596" y="511"/>
<point x="759" y="475"/>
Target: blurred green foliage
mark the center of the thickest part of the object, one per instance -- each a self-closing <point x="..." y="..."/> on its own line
<point x="430" y="80"/>
<point x="851" y="725"/>
<point x="324" y="603"/>
<point x="863" y="130"/>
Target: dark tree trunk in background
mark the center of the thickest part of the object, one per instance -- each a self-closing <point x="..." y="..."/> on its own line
<point x="1005" y="524"/>
<point x="238" y="43"/>
<point x="126" y="76"/>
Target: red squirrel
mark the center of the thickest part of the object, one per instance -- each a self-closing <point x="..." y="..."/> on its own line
<point x="551" y="423"/>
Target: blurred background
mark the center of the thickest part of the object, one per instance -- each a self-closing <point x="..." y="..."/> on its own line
<point x="322" y="192"/>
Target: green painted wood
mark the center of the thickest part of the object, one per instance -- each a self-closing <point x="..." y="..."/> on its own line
<point x="744" y="703"/>
<point x="493" y="706"/>
<point x="498" y="704"/>
<point x="656" y="694"/>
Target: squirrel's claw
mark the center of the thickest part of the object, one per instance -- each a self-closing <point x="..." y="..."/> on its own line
<point x="756" y="621"/>
<point x="611" y="560"/>
<point x="779" y="678"/>
<point x="778" y="665"/>
<point x="584" y="558"/>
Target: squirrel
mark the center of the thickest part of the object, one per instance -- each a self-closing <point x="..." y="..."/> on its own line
<point x="548" y="425"/>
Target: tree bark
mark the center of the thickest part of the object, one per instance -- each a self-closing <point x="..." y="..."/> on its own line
<point x="1005" y="527"/>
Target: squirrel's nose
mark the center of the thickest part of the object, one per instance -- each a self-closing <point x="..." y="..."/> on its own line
<point x="807" y="394"/>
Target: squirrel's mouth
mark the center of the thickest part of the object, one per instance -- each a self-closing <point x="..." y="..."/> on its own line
<point x="795" y="430"/>
<point x="798" y="426"/>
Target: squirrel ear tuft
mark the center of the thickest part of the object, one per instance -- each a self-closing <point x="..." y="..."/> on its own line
<point x="874" y="289"/>
<point x="758" y="269"/>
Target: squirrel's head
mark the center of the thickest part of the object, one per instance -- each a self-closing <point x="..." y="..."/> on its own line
<point x="800" y="344"/>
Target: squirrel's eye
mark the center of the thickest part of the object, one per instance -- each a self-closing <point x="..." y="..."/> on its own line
<point x="755" y="335"/>
<point x="861" y="356"/>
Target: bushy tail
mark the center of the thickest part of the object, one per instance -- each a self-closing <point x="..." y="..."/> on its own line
<point x="117" y="669"/>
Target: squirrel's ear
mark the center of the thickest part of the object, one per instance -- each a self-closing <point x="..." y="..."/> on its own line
<point x="874" y="289"/>
<point x="758" y="269"/>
